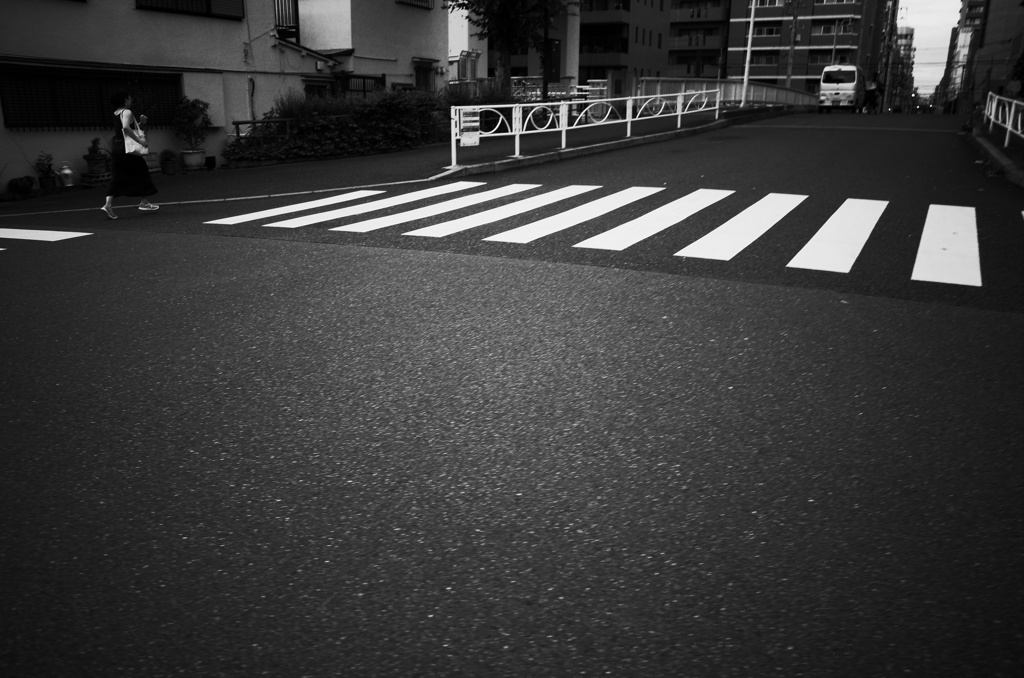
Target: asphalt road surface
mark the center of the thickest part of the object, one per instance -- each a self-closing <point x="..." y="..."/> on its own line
<point x="746" y="403"/>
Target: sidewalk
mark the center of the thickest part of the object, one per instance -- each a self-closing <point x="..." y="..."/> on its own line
<point x="418" y="164"/>
<point x="1009" y="159"/>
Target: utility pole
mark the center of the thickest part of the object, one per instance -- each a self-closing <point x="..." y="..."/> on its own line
<point x="792" y="7"/>
<point x="750" y="45"/>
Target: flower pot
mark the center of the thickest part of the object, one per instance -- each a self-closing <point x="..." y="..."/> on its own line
<point x="97" y="164"/>
<point x="193" y="160"/>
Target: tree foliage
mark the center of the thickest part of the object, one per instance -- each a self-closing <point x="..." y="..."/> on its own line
<point x="511" y="26"/>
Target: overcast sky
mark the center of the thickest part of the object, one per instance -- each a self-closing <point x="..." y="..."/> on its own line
<point x="932" y="20"/>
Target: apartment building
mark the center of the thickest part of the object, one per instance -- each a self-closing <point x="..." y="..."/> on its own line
<point x="622" y="41"/>
<point x="698" y="37"/>
<point x="58" y="70"/>
<point x="793" y="40"/>
<point x="404" y="43"/>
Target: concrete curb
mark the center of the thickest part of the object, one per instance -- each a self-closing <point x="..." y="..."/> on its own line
<point x="729" y="118"/>
<point x="1011" y="171"/>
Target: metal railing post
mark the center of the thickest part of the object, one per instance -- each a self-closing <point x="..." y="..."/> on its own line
<point x="629" y="117"/>
<point x="679" y="110"/>
<point x="563" y="119"/>
<point x="517" y="125"/>
<point x="454" y="132"/>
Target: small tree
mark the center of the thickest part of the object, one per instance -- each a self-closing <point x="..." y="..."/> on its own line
<point x="192" y="122"/>
<point x="512" y="26"/>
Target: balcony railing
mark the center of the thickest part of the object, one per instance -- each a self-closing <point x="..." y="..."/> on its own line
<point x="286" y="19"/>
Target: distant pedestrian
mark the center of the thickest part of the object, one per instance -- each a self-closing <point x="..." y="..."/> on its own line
<point x="130" y="173"/>
<point x="872" y="92"/>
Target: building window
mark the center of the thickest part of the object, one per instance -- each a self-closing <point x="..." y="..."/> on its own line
<point x="39" y="97"/>
<point x="220" y="9"/>
<point x="424" y="4"/>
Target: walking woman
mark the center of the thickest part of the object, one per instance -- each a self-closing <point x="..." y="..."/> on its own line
<point x="130" y="172"/>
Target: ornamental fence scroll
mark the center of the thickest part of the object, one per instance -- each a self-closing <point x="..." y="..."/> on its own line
<point x="471" y="124"/>
<point x="1007" y="113"/>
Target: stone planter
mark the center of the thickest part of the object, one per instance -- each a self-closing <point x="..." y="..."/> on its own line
<point x="193" y="160"/>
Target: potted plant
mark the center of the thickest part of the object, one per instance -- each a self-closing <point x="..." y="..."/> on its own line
<point x="191" y="125"/>
<point x="168" y="161"/>
<point x="97" y="159"/>
<point x="47" y="177"/>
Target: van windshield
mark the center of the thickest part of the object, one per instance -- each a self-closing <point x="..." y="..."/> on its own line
<point x="835" y="77"/>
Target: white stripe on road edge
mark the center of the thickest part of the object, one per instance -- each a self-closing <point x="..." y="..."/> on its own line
<point x="577" y="215"/>
<point x="632" y="232"/>
<point x="837" y="244"/>
<point x="948" y="252"/>
<point x="48" y="236"/>
<point x="298" y="207"/>
<point x="433" y="210"/>
<point x="733" y="236"/>
<point x="498" y="213"/>
<point x="374" y="205"/>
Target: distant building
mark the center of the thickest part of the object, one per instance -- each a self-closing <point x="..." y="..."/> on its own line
<point x="794" y="40"/>
<point x="987" y="46"/>
<point x="622" y="41"/>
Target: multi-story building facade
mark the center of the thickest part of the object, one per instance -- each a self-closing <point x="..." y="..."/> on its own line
<point x="698" y="38"/>
<point x="793" y="40"/>
<point x="622" y="41"/>
<point x="899" y="95"/>
<point x="403" y="42"/>
<point x="999" y="48"/>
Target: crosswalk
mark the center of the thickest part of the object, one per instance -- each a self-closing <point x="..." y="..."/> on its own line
<point x="948" y="251"/>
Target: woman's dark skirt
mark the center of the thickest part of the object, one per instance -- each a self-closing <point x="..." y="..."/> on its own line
<point x="130" y="173"/>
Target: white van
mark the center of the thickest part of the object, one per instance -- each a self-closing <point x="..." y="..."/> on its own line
<point x="842" y="87"/>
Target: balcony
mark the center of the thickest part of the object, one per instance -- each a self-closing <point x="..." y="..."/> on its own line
<point x="286" y="19"/>
<point x="696" y="14"/>
<point x="687" y="43"/>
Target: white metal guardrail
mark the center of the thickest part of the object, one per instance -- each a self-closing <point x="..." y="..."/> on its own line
<point x="470" y="124"/>
<point x="732" y="91"/>
<point x="1007" y="113"/>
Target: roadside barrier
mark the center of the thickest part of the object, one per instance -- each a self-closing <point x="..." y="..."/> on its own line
<point x="470" y="124"/>
<point x="1007" y="113"/>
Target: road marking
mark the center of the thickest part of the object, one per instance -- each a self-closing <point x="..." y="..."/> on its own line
<point x="298" y="207"/>
<point x="498" y="213"/>
<point x="632" y="232"/>
<point x="733" y="236"/>
<point x="47" y="236"/>
<point x="948" y="252"/>
<point x="577" y="215"/>
<point x="374" y="205"/>
<point x="837" y="244"/>
<point x="433" y="210"/>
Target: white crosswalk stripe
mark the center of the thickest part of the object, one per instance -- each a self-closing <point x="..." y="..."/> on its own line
<point x="738" y="233"/>
<point x="46" y="236"/>
<point x="643" y="227"/>
<point x="836" y="246"/>
<point x="577" y="215"/>
<point x="375" y="205"/>
<point x="503" y="212"/>
<point x="948" y="251"/>
<point x="434" y="210"/>
<point x="299" y="207"/>
<point x="43" y="236"/>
